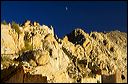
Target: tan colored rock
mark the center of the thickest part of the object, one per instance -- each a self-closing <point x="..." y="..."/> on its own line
<point x="79" y="51"/>
<point x="32" y="63"/>
<point x="7" y="41"/>
<point x="77" y="58"/>
<point x="37" y="41"/>
<point x="27" y="23"/>
<point x="21" y="41"/>
<point x="35" y="23"/>
<point x="43" y="59"/>
<point x="61" y="77"/>
<point x="92" y="80"/>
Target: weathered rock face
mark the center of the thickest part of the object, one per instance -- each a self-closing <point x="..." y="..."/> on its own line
<point x="6" y="39"/>
<point x="78" y="57"/>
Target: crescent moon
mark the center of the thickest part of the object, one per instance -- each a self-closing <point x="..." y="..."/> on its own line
<point x="66" y="8"/>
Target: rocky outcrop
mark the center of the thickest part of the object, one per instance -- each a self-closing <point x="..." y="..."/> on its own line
<point x="77" y="57"/>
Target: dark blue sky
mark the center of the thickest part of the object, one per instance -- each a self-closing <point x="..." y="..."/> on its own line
<point x="90" y="16"/>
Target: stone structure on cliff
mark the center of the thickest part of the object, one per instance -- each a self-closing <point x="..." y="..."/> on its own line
<point x="39" y="56"/>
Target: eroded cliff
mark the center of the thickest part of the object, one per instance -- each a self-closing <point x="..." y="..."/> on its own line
<point x="77" y="57"/>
